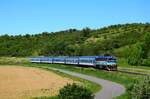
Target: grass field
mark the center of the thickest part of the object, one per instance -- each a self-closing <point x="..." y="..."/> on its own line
<point x="125" y="79"/>
<point x="13" y="60"/>
<point x="123" y="66"/>
<point x="23" y="63"/>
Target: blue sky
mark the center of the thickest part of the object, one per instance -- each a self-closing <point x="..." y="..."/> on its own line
<point x="35" y="16"/>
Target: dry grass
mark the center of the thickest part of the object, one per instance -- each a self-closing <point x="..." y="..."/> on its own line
<point x="25" y="82"/>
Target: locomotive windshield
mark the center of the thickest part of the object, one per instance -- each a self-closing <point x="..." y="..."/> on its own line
<point x="112" y="60"/>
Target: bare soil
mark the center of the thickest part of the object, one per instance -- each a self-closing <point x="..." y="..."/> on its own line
<point x="26" y="82"/>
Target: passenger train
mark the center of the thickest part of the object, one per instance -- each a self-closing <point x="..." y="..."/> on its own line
<point x="103" y="62"/>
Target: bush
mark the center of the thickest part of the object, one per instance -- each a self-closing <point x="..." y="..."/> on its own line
<point x="134" y="54"/>
<point x="140" y="89"/>
<point x="13" y="60"/>
<point x="146" y="62"/>
<point x="74" y="91"/>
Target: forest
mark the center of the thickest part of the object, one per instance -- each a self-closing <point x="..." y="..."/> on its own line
<point x="129" y="41"/>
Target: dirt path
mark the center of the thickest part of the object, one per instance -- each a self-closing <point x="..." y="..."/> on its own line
<point x="26" y="82"/>
<point x="109" y="89"/>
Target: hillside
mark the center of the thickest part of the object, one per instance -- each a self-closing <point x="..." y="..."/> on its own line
<point x="118" y="40"/>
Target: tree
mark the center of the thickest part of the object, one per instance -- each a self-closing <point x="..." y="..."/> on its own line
<point x="140" y="89"/>
<point x="74" y="91"/>
<point x="86" y="31"/>
<point x="146" y="44"/>
<point x="134" y="54"/>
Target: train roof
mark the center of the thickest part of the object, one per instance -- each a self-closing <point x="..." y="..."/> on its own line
<point x="96" y="56"/>
<point x="76" y="57"/>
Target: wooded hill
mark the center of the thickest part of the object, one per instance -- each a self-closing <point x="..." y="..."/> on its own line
<point x="131" y="41"/>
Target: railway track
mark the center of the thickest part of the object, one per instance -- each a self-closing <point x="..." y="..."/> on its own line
<point x="134" y="73"/>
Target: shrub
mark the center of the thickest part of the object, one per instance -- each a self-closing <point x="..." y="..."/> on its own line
<point x="146" y="62"/>
<point x="74" y="91"/>
<point x="134" y="54"/>
<point x="140" y="89"/>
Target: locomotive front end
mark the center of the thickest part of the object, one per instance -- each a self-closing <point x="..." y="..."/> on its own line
<point x="106" y="62"/>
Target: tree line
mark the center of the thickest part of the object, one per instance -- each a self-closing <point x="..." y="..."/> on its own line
<point x="131" y="41"/>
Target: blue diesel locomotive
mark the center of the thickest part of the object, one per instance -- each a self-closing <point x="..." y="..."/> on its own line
<point x="103" y="62"/>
